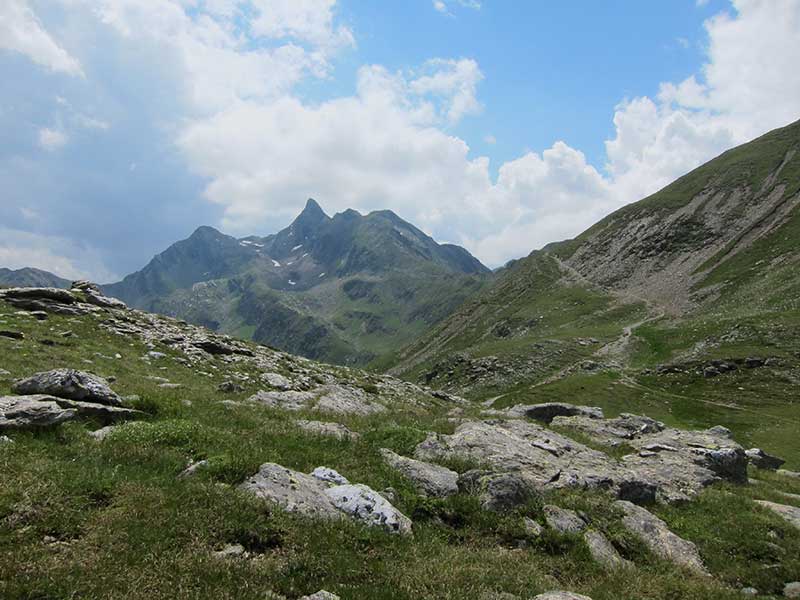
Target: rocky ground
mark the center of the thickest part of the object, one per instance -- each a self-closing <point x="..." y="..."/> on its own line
<point x="145" y="457"/>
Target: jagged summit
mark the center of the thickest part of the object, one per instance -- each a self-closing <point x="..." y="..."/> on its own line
<point x="344" y="288"/>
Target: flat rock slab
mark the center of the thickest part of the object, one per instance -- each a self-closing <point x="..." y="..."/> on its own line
<point x="322" y="495"/>
<point x="70" y="384"/>
<point x="40" y="410"/>
<point x="429" y="479"/>
<point x="790" y="513"/>
<point x="662" y="542"/>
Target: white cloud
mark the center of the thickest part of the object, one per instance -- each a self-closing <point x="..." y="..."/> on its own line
<point x="443" y="8"/>
<point x="490" y="139"/>
<point x="440" y="6"/>
<point x="304" y="20"/>
<point x="52" y="139"/>
<point x="60" y="256"/>
<point x="21" y="31"/>
<point x="454" y="80"/>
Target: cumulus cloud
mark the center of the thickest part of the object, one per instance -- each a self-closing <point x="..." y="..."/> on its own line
<point x="52" y="139"/>
<point x="61" y="256"/>
<point x="262" y="149"/>
<point x="21" y="31"/>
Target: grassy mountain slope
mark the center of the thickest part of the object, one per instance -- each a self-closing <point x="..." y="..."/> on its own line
<point x="702" y="271"/>
<point x="345" y="289"/>
<point x="86" y="518"/>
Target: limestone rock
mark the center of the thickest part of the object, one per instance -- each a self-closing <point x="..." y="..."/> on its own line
<point x="656" y="535"/>
<point x="789" y="513"/>
<point x="366" y="505"/>
<point x="761" y="460"/>
<point x="292" y="491"/>
<point x="498" y="492"/>
<point x="336" y="430"/>
<point x="230" y="551"/>
<point x="321" y="595"/>
<point x="103" y="432"/>
<point x="429" y="479"/>
<point x="792" y="590"/>
<point x="603" y="551"/>
<point x="314" y="496"/>
<point x="277" y="381"/>
<point x="288" y="400"/>
<point x="26" y="412"/>
<point x="70" y="384"/>
<point x="563" y="520"/>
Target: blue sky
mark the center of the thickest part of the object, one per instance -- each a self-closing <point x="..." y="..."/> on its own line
<point x="499" y="125"/>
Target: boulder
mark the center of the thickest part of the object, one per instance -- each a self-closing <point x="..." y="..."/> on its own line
<point x="368" y="506"/>
<point x="40" y="410"/>
<point x="662" y="542"/>
<point x="563" y="520"/>
<point x="497" y="492"/>
<point x="603" y="552"/>
<point x="293" y="491"/>
<point x="761" y="460"/>
<point x="230" y="551"/>
<point x="321" y="495"/>
<point x="288" y="400"/>
<point x="29" y="412"/>
<point x="347" y="399"/>
<point x="789" y="513"/>
<point x="429" y="479"/>
<point x="54" y="294"/>
<point x="70" y="384"/>
<point x="230" y="387"/>
<point x="277" y="381"/>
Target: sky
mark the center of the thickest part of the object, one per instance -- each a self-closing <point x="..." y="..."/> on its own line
<point x="499" y="125"/>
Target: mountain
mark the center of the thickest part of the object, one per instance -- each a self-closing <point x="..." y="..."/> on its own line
<point x="29" y="277"/>
<point x="666" y="304"/>
<point x="344" y="289"/>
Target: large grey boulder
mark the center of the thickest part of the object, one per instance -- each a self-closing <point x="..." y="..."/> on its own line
<point x="286" y="400"/>
<point x="40" y="410"/>
<point x="291" y="490"/>
<point x="29" y="412"/>
<point x="429" y="479"/>
<point x="347" y="400"/>
<point x="662" y="542"/>
<point x="70" y="384"/>
<point x="322" y="495"/>
<point x="761" y="460"/>
<point x="561" y="596"/>
<point x="368" y="506"/>
<point x="789" y="513"/>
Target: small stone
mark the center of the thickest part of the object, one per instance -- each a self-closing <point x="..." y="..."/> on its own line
<point x="749" y="591"/>
<point x="561" y="596"/>
<point x="193" y="469"/>
<point x="792" y="590"/>
<point x="230" y="387"/>
<point x="103" y="433"/>
<point x="4" y="439"/>
<point x="321" y="595"/>
<point x="170" y="386"/>
<point x="230" y="551"/>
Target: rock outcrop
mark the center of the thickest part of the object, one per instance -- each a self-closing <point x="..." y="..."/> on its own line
<point x="662" y="542"/>
<point x="429" y="479"/>
<point x="39" y="410"/>
<point x="325" y="494"/>
<point x="71" y="384"/>
<point x="789" y="513"/>
<point x="761" y="460"/>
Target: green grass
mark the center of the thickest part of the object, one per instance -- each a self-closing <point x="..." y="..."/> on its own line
<point x="89" y="519"/>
